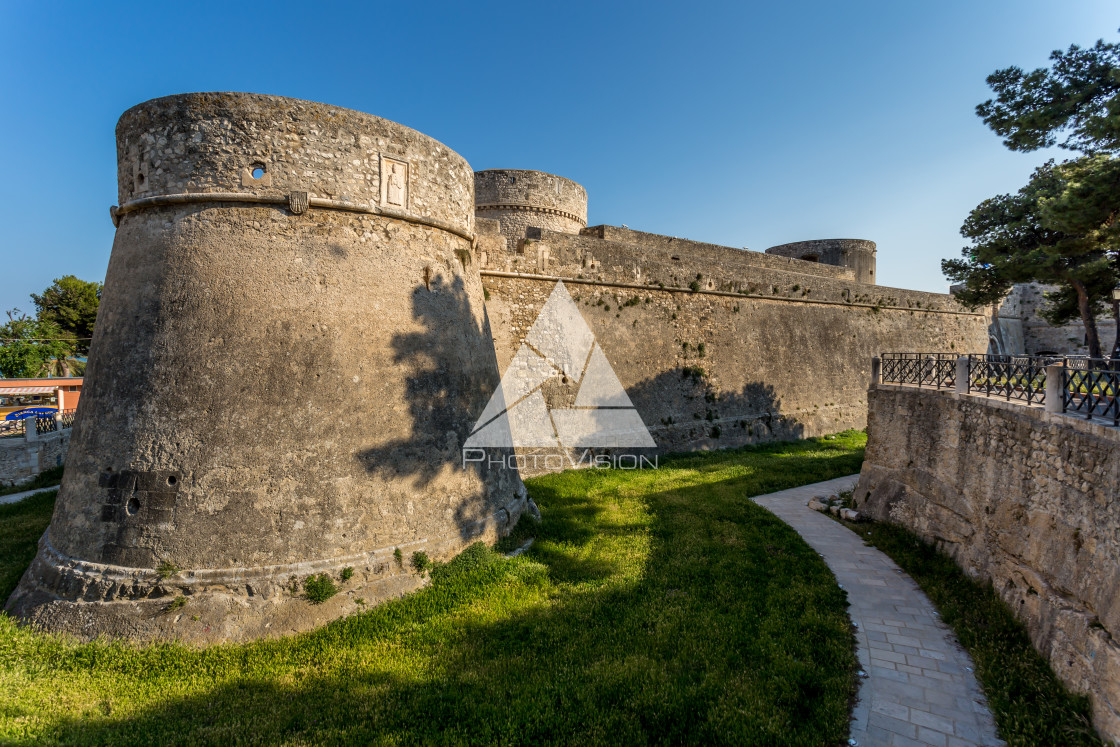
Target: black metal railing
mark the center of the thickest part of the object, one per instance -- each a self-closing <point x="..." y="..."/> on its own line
<point x="1089" y="386"/>
<point x="1092" y="388"/>
<point x="938" y="370"/>
<point x="1021" y="377"/>
<point x="42" y="424"/>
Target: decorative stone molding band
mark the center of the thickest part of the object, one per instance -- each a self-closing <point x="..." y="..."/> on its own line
<point x="534" y="209"/>
<point x="729" y="294"/>
<point x="297" y="202"/>
<point x="98" y="581"/>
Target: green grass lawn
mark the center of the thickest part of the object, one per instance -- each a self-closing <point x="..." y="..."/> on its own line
<point x="1030" y="704"/>
<point x="654" y="606"/>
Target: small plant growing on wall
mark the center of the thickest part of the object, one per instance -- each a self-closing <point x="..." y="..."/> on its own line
<point x="167" y="569"/>
<point x="420" y="561"/>
<point x="398" y="557"/>
<point x="319" y="588"/>
<point x="700" y="350"/>
<point x="177" y="603"/>
<point x="693" y="372"/>
<point x="694" y="286"/>
<point x="347" y="573"/>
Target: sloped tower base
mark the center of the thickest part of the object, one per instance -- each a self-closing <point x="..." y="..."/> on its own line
<point x="291" y="349"/>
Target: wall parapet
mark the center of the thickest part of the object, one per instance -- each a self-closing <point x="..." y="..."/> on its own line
<point x="1022" y="497"/>
<point x="726" y="294"/>
<point x="586" y="257"/>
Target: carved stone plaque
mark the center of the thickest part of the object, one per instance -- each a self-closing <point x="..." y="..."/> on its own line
<point x="297" y="202"/>
<point x="394" y="183"/>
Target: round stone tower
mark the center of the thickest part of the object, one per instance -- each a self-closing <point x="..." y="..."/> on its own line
<point x="290" y="351"/>
<point x="859" y="254"/>
<point x="519" y="199"/>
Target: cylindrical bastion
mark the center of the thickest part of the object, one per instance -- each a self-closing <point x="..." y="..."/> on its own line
<point x="290" y="351"/>
<point x="859" y="254"/>
<point x="518" y="199"/>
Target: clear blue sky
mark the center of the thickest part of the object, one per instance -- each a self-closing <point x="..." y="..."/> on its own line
<point x="746" y="124"/>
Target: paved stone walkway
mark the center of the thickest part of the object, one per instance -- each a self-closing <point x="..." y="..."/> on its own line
<point x="15" y="497"/>
<point x="920" y="689"/>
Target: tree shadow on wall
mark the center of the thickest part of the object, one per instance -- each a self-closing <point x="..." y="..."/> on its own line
<point x="684" y="411"/>
<point x="451" y="371"/>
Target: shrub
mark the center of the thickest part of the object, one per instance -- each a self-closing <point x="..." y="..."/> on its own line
<point x="319" y="588"/>
<point x="167" y="569"/>
<point x="420" y="561"/>
<point x="175" y="604"/>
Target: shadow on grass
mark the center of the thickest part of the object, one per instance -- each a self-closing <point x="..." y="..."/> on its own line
<point x="685" y="615"/>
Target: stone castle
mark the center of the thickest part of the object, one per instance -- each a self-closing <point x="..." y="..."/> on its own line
<point x="1018" y="327"/>
<point x="306" y="309"/>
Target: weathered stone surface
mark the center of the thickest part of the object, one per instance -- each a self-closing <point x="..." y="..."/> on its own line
<point x="519" y="199"/>
<point x="770" y="369"/>
<point x="1024" y="330"/>
<point x="716" y="346"/>
<point x="533" y="511"/>
<point x="272" y="395"/>
<point x="850" y="514"/>
<point x="1024" y="498"/>
<point x="817" y="505"/>
<point x="21" y="460"/>
<point x="858" y="254"/>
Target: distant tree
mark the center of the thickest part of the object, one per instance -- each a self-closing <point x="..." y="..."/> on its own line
<point x="72" y="304"/>
<point x="1061" y="228"/>
<point x="32" y="347"/>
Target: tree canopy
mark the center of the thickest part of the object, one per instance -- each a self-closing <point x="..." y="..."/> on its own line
<point x="72" y="304"/>
<point x="1061" y="228"/>
<point x="1078" y="96"/>
<point x="33" y="347"/>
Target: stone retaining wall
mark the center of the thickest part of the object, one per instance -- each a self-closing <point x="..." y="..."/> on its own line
<point x="1023" y="498"/>
<point x="20" y="459"/>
